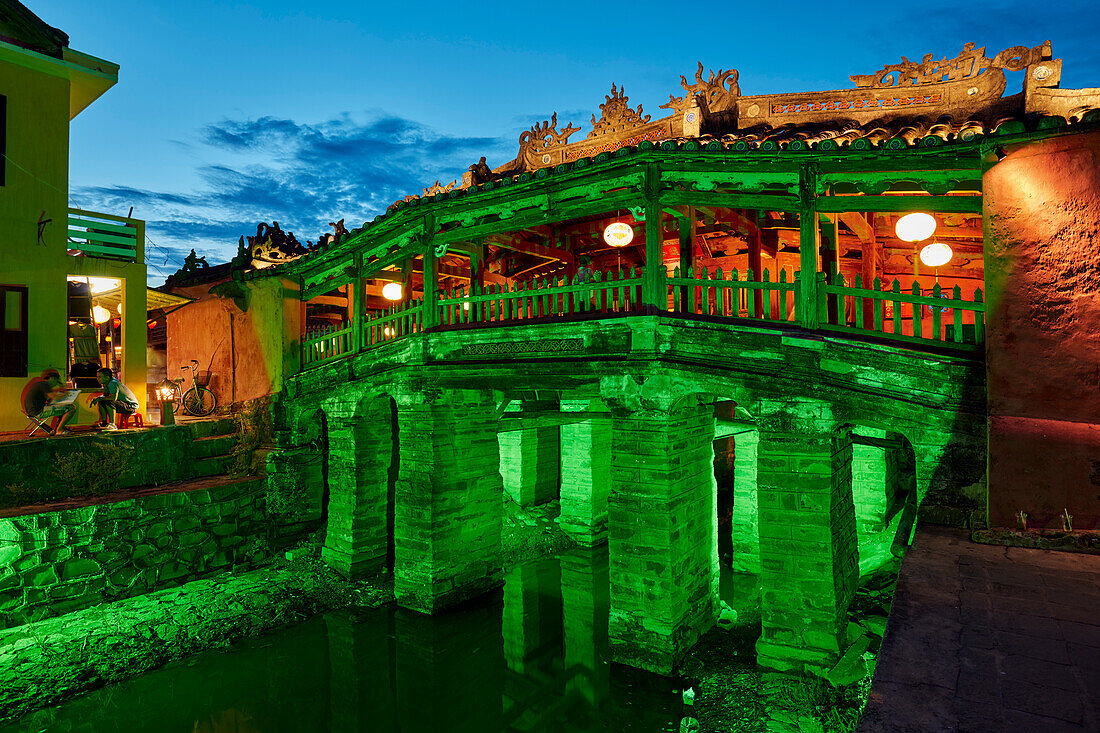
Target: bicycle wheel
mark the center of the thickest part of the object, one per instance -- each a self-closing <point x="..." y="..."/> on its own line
<point x="199" y="402"/>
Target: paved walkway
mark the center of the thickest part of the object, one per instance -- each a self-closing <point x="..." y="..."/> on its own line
<point x="989" y="638"/>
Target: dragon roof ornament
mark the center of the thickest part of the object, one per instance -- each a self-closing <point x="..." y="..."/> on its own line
<point x="719" y="92"/>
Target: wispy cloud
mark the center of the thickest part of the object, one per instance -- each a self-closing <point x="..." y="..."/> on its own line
<point x="299" y="174"/>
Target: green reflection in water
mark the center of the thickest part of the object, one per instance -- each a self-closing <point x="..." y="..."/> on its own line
<point x="534" y="660"/>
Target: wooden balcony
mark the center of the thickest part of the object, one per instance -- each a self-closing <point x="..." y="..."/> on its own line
<point x="92" y="234"/>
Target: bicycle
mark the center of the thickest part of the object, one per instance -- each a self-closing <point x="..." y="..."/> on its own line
<point x="198" y="401"/>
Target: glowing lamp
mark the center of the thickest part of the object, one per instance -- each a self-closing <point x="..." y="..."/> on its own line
<point x="119" y="309"/>
<point x="935" y="254"/>
<point x="388" y="331"/>
<point x="915" y="227"/>
<point x="166" y="393"/>
<point x="618" y="234"/>
<point x="101" y="314"/>
<point x="392" y="291"/>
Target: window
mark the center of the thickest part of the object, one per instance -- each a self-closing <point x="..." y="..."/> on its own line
<point x="13" y="331"/>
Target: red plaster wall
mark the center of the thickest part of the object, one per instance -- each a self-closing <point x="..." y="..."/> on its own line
<point x="249" y="350"/>
<point x="1042" y="240"/>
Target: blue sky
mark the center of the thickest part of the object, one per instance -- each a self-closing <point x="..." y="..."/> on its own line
<point x="231" y="113"/>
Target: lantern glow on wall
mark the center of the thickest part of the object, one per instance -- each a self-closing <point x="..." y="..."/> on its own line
<point x="618" y="234"/>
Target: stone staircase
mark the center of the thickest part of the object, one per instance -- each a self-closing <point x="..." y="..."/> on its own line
<point x="213" y="444"/>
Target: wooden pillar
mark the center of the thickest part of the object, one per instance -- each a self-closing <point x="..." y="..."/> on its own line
<point x="431" y="277"/>
<point x="756" y="266"/>
<point x="807" y="306"/>
<point x="653" y="292"/>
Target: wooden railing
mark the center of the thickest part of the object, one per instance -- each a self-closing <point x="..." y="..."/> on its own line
<point x="915" y="316"/>
<point x="326" y="343"/>
<point x="697" y="293"/>
<point x="104" y="235"/>
<point x="939" y="316"/>
<point x="610" y="292"/>
<point x="399" y="320"/>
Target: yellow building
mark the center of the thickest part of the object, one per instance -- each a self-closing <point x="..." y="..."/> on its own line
<point x="45" y="244"/>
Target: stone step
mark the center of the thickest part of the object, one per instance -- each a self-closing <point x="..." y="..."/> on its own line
<point x="213" y="465"/>
<point x="217" y="426"/>
<point x="215" y="445"/>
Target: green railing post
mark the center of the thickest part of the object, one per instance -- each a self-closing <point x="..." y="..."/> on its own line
<point x="809" y="302"/>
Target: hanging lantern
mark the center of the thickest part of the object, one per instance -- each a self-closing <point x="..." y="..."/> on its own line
<point x="915" y="227"/>
<point x="119" y="309"/>
<point x="935" y="254"/>
<point x="388" y="331"/>
<point x="392" y="291"/>
<point x="100" y="314"/>
<point x="618" y="234"/>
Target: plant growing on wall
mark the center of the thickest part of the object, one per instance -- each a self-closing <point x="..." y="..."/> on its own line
<point x="94" y="471"/>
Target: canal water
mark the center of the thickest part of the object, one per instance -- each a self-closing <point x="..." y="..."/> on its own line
<point x="534" y="658"/>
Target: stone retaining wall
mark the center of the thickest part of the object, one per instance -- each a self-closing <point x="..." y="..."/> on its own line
<point x="61" y="561"/>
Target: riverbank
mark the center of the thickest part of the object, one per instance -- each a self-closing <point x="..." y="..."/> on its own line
<point x="46" y="662"/>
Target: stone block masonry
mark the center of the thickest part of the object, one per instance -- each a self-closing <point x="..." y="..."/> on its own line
<point x="449" y="499"/>
<point x="585" y="480"/>
<point x="663" y="542"/>
<point x="529" y="464"/>
<point x="746" y="538"/>
<point x="61" y="561"/>
<point x="361" y="453"/>
<point x="808" y="545"/>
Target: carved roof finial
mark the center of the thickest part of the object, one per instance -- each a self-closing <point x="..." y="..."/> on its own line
<point x="617" y="115"/>
<point x="720" y="91"/>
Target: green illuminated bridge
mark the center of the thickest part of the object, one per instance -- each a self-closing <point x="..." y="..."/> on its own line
<point x="765" y="313"/>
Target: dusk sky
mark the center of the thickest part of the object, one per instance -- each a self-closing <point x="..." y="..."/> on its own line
<point x="230" y="113"/>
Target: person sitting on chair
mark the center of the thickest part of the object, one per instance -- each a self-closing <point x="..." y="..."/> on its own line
<point x="116" y="397"/>
<point x="37" y="398"/>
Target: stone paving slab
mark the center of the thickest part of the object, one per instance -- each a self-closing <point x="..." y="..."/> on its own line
<point x="989" y="638"/>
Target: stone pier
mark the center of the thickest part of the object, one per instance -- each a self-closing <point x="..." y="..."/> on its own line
<point x="529" y="460"/>
<point x="808" y="546"/>
<point x="663" y="533"/>
<point x="361" y="491"/>
<point x="449" y="499"/>
<point x="746" y="538"/>
<point x="585" y="479"/>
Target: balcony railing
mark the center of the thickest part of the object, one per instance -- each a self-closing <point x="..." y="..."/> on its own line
<point x="107" y="236"/>
<point x="938" y="318"/>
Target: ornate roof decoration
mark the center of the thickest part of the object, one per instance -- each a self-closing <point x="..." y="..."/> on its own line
<point x="273" y="246"/>
<point x="543" y="136"/>
<point x="899" y="105"/>
<point x="719" y="92"/>
<point x="968" y="64"/>
<point x="438" y="188"/>
<point x="618" y="116"/>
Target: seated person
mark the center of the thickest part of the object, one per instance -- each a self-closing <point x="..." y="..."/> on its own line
<point x="116" y="397"/>
<point x="38" y="395"/>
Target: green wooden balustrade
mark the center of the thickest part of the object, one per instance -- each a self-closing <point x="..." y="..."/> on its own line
<point x="943" y="318"/>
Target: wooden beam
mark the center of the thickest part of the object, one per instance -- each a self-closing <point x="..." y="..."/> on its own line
<point x="932" y="204"/>
<point x="517" y="244"/>
<point x="859" y="225"/>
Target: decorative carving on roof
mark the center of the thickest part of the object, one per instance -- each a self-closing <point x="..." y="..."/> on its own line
<point x="273" y="246"/>
<point x="969" y="63"/>
<point x="545" y="135"/>
<point x="480" y="172"/>
<point x="719" y="91"/>
<point x="617" y="116"/>
<point x="437" y="187"/>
